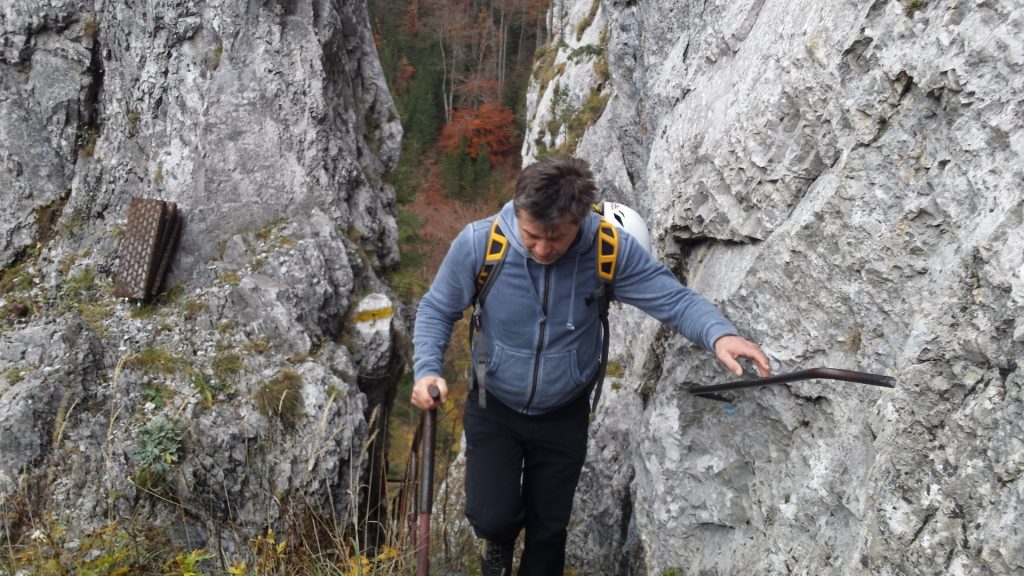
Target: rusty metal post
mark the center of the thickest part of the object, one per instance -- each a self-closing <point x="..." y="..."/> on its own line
<point x="426" y="498"/>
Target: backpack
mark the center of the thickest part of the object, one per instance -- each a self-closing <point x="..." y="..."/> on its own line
<point x="607" y="238"/>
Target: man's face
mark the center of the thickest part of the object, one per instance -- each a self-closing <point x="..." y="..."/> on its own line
<point x="546" y="245"/>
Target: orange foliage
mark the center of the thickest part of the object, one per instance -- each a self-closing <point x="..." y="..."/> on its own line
<point x="491" y="124"/>
<point x="404" y="78"/>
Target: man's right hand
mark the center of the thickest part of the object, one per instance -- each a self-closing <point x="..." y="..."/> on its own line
<point x="421" y="396"/>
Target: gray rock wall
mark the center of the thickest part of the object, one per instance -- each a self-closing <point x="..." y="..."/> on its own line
<point x="253" y="378"/>
<point x="844" y="180"/>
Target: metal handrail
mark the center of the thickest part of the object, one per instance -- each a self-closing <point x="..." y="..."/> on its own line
<point x="712" y="391"/>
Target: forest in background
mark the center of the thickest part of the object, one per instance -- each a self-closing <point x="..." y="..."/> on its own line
<point x="458" y="71"/>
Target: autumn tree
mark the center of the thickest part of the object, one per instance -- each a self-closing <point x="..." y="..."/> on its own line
<point x="473" y="143"/>
<point x="468" y="60"/>
<point x="492" y="125"/>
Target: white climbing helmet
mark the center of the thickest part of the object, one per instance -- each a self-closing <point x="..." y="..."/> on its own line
<point x="625" y="218"/>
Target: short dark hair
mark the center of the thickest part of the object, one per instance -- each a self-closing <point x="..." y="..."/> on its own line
<point x="550" y="190"/>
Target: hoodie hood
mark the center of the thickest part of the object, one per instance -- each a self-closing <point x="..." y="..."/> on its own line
<point x="585" y="239"/>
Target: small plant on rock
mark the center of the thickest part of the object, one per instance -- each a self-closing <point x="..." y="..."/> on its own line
<point x="193" y="308"/>
<point x="913" y="6"/>
<point x="211" y="388"/>
<point x="154" y="360"/>
<point x="157" y="394"/>
<point x="281" y="398"/>
<point x="226" y="366"/>
<point x="259" y="345"/>
<point x="156" y="451"/>
<point x="188" y="564"/>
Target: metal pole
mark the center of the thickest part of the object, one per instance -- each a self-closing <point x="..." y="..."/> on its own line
<point x="426" y="484"/>
<point x="810" y="374"/>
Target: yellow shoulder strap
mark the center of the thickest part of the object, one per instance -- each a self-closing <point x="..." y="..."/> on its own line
<point x="497" y="244"/>
<point x="607" y="250"/>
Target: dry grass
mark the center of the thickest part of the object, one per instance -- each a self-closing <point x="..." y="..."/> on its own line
<point x="280" y="398"/>
<point x="36" y="540"/>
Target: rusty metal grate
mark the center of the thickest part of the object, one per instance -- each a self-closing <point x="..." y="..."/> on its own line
<point x="147" y="248"/>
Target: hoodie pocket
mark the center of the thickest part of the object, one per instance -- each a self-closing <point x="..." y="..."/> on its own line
<point x="560" y="368"/>
<point x="559" y="372"/>
<point x="511" y="366"/>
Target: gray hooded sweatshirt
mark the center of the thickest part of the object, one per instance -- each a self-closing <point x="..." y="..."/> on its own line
<point x="542" y="327"/>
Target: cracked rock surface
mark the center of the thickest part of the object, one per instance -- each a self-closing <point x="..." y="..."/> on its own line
<point x="234" y="403"/>
<point x="843" y="179"/>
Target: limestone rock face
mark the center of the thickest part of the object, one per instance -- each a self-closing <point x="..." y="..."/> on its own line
<point x="32" y="409"/>
<point x="241" y="114"/>
<point x="843" y="179"/>
<point x="237" y="395"/>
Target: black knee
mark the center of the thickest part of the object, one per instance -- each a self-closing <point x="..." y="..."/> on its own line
<point x="496" y="525"/>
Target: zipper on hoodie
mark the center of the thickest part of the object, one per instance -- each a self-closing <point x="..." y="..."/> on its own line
<point x="540" y="341"/>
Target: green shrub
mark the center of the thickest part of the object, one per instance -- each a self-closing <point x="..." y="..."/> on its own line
<point x="586" y="51"/>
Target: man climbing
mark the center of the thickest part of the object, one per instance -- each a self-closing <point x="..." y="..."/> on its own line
<point x="540" y="351"/>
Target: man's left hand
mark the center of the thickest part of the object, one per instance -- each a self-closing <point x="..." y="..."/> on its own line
<point x="729" y="348"/>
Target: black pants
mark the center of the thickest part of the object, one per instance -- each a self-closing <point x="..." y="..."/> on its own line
<point x="521" y="472"/>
